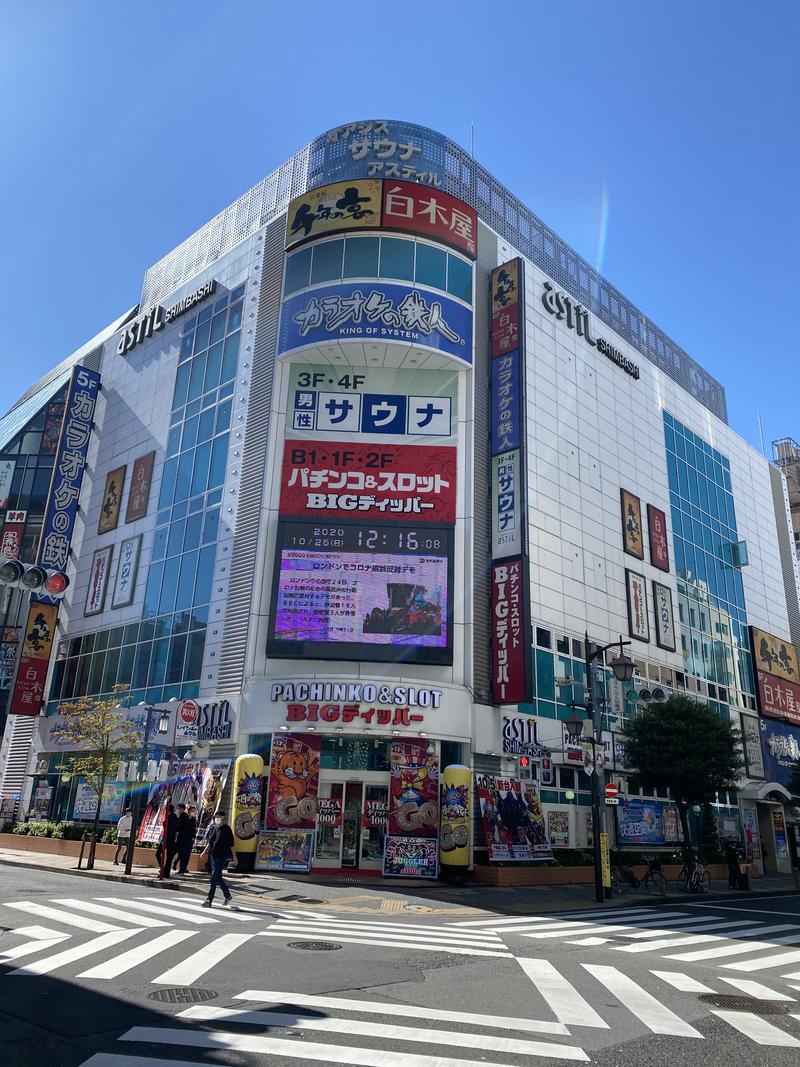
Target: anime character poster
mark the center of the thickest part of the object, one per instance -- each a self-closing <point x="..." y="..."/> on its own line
<point x="410" y="857"/>
<point x="293" y="782"/>
<point x="197" y="784"/>
<point x="513" y="820"/>
<point x="249" y="778"/>
<point x="632" y="535"/>
<point x="413" y="790"/>
<point x="284" y="850"/>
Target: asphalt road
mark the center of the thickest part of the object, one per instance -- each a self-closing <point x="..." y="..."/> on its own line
<point x="85" y="963"/>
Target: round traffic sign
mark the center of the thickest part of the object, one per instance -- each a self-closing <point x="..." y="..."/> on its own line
<point x="189" y="711"/>
<point x="612" y="790"/>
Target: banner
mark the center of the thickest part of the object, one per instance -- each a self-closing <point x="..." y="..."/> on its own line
<point x="638" y="617"/>
<point x="665" y="621"/>
<point x="509" y="652"/>
<point x="293" y="782"/>
<point x="455" y="816"/>
<point x="84" y="806"/>
<point x="506" y="307"/>
<point x="647" y="822"/>
<point x="139" y="495"/>
<point x="409" y="857"/>
<point x="558" y="828"/>
<point x="508" y="534"/>
<point x="513" y="820"/>
<point x="125" y="581"/>
<point x="12" y="533"/>
<point x="249" y="782"/>
<point x="98" y="580"/>
<point x="659" y="547"/>
<point x="349" y="205"/>
<point x="284" y="850"/>
<point x="413" y="790"/>
<point x="28" y="695"/>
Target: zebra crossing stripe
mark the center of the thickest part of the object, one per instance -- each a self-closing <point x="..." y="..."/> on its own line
<point x="130" y="959"/>
<point x="737" y="949"/>
<point x="755" y="989"/>
<point x="153" y="909"/>
<point x="605" y="913"/>
<point x="30" y="948"/>
<point x="240" y="916"/>
<point x="352" y="939"/>
<point x="645" y="1007"/>
<point x="64" y="917"/>
<point x="388" y="929"/>
<point x="670" y="942"/>
<point x="564" y="1000"/>
<point x="79" y="952"/>
<point x="470" y="936"/>
<point x="385" y="1032"/>
<point x="110" y="1059"/>
<point x="111" y="913"/>
<point x="684" y="983"/>
<point x="308" y="1050"/>
<point x="699" y="927"/>
<point x="777" y="959"/>
<point x="196" y="965"/>
<point x="757" y="1029"/>
<point x="369" y="1007"/>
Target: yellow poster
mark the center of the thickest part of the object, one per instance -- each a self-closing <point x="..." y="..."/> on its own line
<point x="332" y="208"/>
<point x="605" y="861"/>
<point x="632" y="536"/>
<point x="112" y="499"/>
<point x="39" y="631"/>
<point x="774" y="655"/>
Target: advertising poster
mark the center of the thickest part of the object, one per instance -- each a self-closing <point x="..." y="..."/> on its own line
<point x="506" y="505"/>
<point x="333" y="480"/>
<point x="659" y="547"/>
<point x="85" y="804"/>
<point x="632" y="535"/>
<point x="198" y="783"/>
<point x="455" y="816"/>
<point x="638" y="620"/>
<point x="37" y="642"/>
<point x="329" y="812"/>
<point x="249" y="779"/>
<point x="779" y="829"/>
<point x="752" y="841"/>
<point x="513" y="820"/>
<point x="413" y="790"/>
<point x="420" y="404"/>
<point x="112" y="500"/>
<point x="647" y="822"/>
<point x="780" y="747"/>
<point x="357" y="591"/>
<point x="409" y="857"/>
<point x="376" y="815"/>
<point x="376" y="311"/>
<point x="52" y="427"/>
<point x="98" y="580"/>
<point x="9" y="643"/>
<point x="774" y="655"/>
<point x="12" y="533"/>
<point x="505" y="308"/>
<point x="125" y="581"/>
<point x="40" y="808"/>
<point x="293" y="782"/>
<point x="509" y="676"/>
<point x="284" y="850"/>
<point x="665" y="621"/>
<point x="349" y="205"/>
<point x="139" y="495"/>
<point x="7" y="468"/>
<point x="558" y="828"/>
<point x="751" y="741"/>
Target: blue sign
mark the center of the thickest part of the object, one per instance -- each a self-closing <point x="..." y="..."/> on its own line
<point x="647" y="822"/>
<point x="377" y="311"/>
<point x="378" y="148"/>
<point x="780" y="745"/>
<point x="62" y="503"/>
<point x="506" y="407"/>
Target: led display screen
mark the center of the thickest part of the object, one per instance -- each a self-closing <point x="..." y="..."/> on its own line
<point x="362" y="591"/>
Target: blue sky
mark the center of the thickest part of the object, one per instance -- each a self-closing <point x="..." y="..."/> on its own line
<point x="659" y="139"/>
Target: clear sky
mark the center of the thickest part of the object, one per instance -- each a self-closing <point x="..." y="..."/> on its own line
<point x="658" y="137"/>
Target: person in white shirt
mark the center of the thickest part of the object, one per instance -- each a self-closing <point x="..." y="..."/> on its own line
<point x="123" y="835"/>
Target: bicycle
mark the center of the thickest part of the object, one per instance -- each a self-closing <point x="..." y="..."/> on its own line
<point x="698" y="880"/>
<point x="623" y="878"/>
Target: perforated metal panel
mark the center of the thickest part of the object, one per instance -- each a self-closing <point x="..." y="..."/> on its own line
<point x="324" y="160"/>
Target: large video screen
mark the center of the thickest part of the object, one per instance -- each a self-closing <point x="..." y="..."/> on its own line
<point x="362" y="591"/>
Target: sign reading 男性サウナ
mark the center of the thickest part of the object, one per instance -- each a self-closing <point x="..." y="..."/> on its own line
<point x="125" y="581"/>
<point x="507" y="532"/>
<point x="665" y="621"/>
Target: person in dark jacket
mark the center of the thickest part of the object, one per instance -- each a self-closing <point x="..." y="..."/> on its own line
<point x="187" y="829"/>
<point x="219" y="845"/>
<point x="168" y="846"/>
<point x="732" y="859"/>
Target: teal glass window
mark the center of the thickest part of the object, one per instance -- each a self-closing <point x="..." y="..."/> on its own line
<point x="431" y="267"/>
<point x="298" y="271"/>
<point x="326" y="264"/>
<point x="459" y="279"/>
<point x="397" y="258"/>
<point x="361" y="257"/>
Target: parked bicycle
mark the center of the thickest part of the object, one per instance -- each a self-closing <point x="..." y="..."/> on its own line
<point x="623" y="878"/>
<point x="694" y="877"/>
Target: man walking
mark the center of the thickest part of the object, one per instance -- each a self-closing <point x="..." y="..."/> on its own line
<point x="187" y="828"/>
<point x="123" y="835"/>
<point x="169" y="842"/>
<point x="219" y="845"/>
<point x="732" y="859"/>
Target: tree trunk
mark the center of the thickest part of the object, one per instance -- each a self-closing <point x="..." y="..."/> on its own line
<point x="96" y="826"/>
<point x="688" y="851"/>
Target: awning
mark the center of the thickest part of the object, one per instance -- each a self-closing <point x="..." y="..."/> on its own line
<point x="768" y="792"/>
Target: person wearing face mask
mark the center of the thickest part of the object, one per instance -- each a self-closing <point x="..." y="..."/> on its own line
<point x="219" y="846"/>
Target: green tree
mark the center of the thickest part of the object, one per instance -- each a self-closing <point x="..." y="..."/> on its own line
<point x="101" y="734"/>
<point x="684" y="747"/>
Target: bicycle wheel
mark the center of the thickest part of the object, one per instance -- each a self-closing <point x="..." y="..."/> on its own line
<point x="703" y="881"/>
<point x="682" y="881"/>
<point x="656" y="883"/>
<point x="619" y="883"/>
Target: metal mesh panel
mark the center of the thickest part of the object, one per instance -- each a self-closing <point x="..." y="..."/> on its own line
<point x="789" y="564"/>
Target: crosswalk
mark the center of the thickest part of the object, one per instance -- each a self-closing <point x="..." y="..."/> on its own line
<point x="716" y="940"/>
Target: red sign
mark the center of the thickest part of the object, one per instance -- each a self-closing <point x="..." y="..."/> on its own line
<point x="337" y="480"/>
<point x="659" y="547"/>
<point x="28" y="695"/>
<point x="778" y="698"/>
<point x="505" y="305"/>
<point x="354" y="713"/>
<point x="188" y="711"/>
<point x="508" y="633"/>
<point x="329" y="811"/>
<point x="11" y="539"/>
<point x="612" y="790"/>
<point x="430" y="212"/>
<point x="139" y="495"/>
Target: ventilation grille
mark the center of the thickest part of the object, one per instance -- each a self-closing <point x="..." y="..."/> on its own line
<point x="254" y="464"/>
<point x="19" y="748"/>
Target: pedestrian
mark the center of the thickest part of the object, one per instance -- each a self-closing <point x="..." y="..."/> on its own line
<point x="187" y="828"/>
<point x="732" y="859"/>
<point x="219" y="845"/>
<point x="123" y="835"/>
<point x="168" y="846"/>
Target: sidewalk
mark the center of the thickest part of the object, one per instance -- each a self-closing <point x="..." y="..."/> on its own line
<point x="392" y="896"/>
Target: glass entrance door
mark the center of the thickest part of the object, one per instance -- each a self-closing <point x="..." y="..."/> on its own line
<point x="351" y="825"/>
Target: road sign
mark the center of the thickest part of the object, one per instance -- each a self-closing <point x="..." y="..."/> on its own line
<point x="612" y="801"/>
<point x="612" y="790"/>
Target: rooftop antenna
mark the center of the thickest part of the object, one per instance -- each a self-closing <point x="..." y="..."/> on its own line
<point x="761" y="433"/>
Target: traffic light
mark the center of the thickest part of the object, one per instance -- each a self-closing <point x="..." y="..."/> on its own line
<point x="33" y="578"/>
<point x="657" y="695"/>
<point x="547" y="771"/>
<point x="525" y="768"/>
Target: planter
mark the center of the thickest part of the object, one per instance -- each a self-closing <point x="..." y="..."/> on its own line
<point x="54" y="846"/>
<point x="508" y="876"/>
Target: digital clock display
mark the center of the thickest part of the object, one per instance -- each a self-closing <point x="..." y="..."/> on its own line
<point x="362" y="591"/>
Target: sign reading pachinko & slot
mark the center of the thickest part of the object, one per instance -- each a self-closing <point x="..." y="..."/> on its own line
<point x="509" y="597"/>
<point x="513" y="820"/>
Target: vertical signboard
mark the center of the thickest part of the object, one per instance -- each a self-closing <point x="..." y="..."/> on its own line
<point x="54" y="545"/>
<point x="777" y="676"/>
<point x="510" y="596"/>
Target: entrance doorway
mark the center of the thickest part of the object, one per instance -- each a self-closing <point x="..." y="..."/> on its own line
<point x="355" y="824"/>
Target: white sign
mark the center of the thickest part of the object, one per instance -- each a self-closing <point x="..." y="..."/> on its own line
<point x="665" y="623"/>
<point x="507" y="531"/>
<point x="187" y="720"/>
<point x="125" y="583"/>
<point x="98" y="580"/>
<point x="7" y="468"/>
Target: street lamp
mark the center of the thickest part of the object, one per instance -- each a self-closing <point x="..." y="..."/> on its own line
<point x="163" y="727"/>
<point x="623" y="668"/>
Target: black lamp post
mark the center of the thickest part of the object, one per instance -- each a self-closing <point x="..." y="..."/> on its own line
<point x="141" y="767"/>
<point x="623" y="667"/>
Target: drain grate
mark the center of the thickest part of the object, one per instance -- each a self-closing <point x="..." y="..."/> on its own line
<point x="183" y="995"/>
<point x="730" y="1002"/>
<point x="315" y="946"/>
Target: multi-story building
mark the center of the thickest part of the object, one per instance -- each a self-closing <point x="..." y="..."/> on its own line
<point x="372" y="453"/>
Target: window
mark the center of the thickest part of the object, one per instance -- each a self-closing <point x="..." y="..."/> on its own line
<point x="431" y="267"/>
<point x="361" y="257"/>
<point x="397" y="258"/>
<point x="326" y="264"/>
<point x="298" y="270"/>
<point x="459" y="279"/>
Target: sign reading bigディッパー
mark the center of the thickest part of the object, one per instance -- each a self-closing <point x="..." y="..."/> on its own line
<point x="508" y="632"/>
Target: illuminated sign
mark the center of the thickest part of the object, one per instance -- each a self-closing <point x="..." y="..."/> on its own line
<point x="509" y="641"/>
<point x="358" y="591"/>
<point x="157" y="318"/>
<point x="576" y="316"/>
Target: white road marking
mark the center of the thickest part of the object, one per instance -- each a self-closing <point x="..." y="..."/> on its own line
<point x="30" y="948"/>
<point x="566" y="1003"/>
<point x="383" y="1031"/>
<point x="196" y="965"/>
<point x="604" y="913"/>
<point x="41" y="933"/>
<point x="670" y="942"/>
<point x="350" y="939"/>
<point x="389" y="930"/>
<point x="133" y="957"/>
<point x="640" y="1003"/>
<point x="463" y="1018"/>
<point x="755" y="989"/>
<point x="111" y="913"/>
<point x="753" y="907"/>
<point x="590" y="942"/>
<point x="682" y="982"/>
<point x="79" y="952"/>
<point x="738" y="949"/>
<point x="777" y="959"/>
<point x="110" y="1059"/>
<point x="152" y="909"/>
<point x="700" y="927"/>
<point x="307" y="1050"/>
<point x="241" y="915"/>
<point x="55" y="915"/>
<point x="758" y="1030"/>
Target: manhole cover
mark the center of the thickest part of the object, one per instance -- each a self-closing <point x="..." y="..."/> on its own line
<point x="417" y="907"/>
<point x="731" y="1002"/>
<point x="315" y="946"/>
<point x="184" y="995"/>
